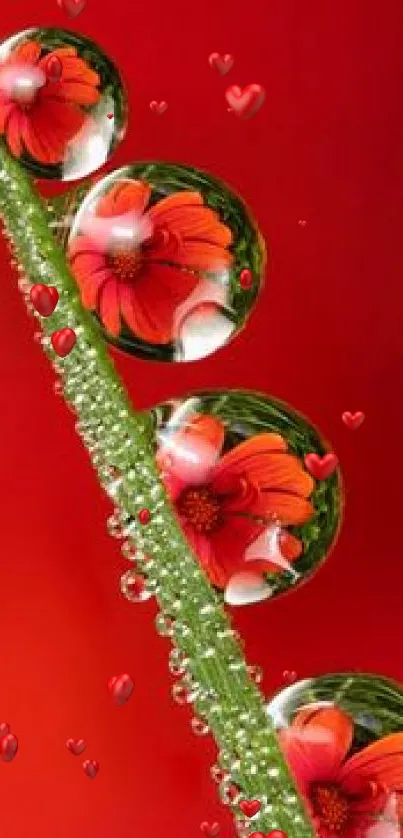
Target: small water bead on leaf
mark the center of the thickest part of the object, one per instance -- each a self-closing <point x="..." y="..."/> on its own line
<point x="56" y="90"/>
<point x="156" y="250"/>
<point x="199" y="727"/>
<point x="233" y="465"/>
<point x="133" y="587"/>
<point x="342" y="736"/>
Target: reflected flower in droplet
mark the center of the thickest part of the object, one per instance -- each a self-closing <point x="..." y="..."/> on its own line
<point x="163" y="285"/>
<point x="243" y="497"/>
<point x="351" y="778"/>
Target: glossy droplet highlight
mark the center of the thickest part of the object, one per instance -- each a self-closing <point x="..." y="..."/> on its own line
<point x="60" y="87"/>
<point x="155" y="287"/>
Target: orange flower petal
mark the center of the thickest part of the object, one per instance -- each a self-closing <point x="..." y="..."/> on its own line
<point x="50" y="127"/>
<point x="157" y="292"/>
<point x="204" y="552"/>
<point x="28" y="52"/>
<point x="109" y="307"/>
<point x="317" y="742"/>
<point x="76" y="92"/>
<point x="125" y="196"/>
<point x="286" y="507"/>
<point x="382" y="762"/>
<point x="90" y="288"/>
<point x="257" y="445"/>
<point x="12" y="130"/>
<point x="5" y="111"/>
<point x="229" y="543"/>
<point x="191" y="220"/>
<point x="209" y="427"/>
<point x="270" y="469"/>
<point x="202" y="256"/>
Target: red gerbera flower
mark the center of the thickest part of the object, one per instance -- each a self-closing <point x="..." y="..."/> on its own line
<point x="233" y="507"/>
<point x="146" y="268"/>
<point x="349" y="797"/>
<point x="38" y="115"/>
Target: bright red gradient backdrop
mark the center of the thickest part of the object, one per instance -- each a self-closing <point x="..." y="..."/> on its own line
<point x="326" y="336"/>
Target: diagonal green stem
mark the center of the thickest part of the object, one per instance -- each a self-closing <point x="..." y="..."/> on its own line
<point x="120" y="442"/>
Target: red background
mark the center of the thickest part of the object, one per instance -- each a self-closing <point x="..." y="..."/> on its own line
<point x="326" y="336"/>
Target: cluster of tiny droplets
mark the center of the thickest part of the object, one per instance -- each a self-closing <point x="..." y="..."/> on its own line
<point x="206" y="655"/>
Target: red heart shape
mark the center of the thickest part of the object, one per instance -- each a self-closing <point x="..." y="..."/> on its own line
<point x="250" y="807"/>
<point x="211" y="830"/>
<point x="245" y="102"/>
<point x="91" y="768"/>
<point x="121" y="688"/>
<point x="4" y="729"/>
<point x="8" y="747"/>
<point x="353" y="420"/>
<point x="290" y="676"/>
<point x="158" y="107"/>
<point x="44" y="299"/>
<point x="53" y="68"/>
<point x="72" y="7"/>
<point x="110" y="115"/>
<point x="321" y="467"/>
<point x="63" y="341"/>
<point x="76" y="746"/>
<point x="222" y="63"/>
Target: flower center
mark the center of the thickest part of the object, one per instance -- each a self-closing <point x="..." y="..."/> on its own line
<point x="201" y="507"/>
<point x="330" y="806"/>
<point x="125" y="264"/>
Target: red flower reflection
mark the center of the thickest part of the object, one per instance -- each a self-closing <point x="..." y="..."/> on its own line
<point x="229" y="504"/>
<point x="137" y="265"/>
<point x="39" y="115"/>
<point x="349" y="797"/>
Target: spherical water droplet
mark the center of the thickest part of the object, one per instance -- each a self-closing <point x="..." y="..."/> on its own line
<point x="64" y="99"/>
<point x="193" y="436"/>
<point x="133" y="587"/>
<point x="199" y="727"/>
<point x="164" y="625"/>
<point x="191" y="298"/>
<point x="368" y="709"/>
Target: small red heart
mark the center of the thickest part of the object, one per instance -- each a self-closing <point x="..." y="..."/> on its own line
<point x="250" y="807"/>
<point x="121" y="688"/>
<point x="353" y="420"/>
<point x="72" y="7"/>
<point x="63" y="341"/>
<point x="222" y="63"/>
<point x="76" y="746"/>
<point x="4" y="729"/>
<point x="44" y="299"/>
<point x="158" y="107"/>
<point x="289" y="676"/>
<point x="8" y="747"/>
<point x="110" y="115"/>
<point x="321" y="467"/>
<point x="245" y="103"/>
<point x="211" y="830"/>
<point x="91" y="768"/>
